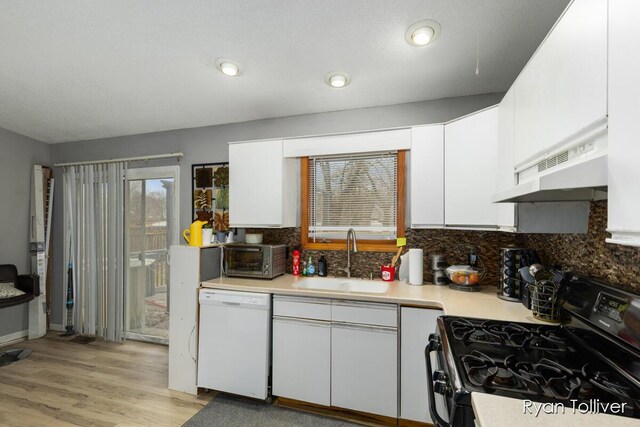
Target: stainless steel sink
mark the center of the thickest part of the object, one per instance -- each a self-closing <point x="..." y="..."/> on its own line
<point x="342" y="285"/>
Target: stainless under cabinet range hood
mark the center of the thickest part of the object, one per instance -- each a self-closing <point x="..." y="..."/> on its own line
<point x="583" y="179"/>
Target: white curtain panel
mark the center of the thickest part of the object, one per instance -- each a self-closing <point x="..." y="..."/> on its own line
<point x="94" y="246"/>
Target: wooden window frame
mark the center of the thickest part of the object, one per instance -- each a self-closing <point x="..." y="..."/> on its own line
<point x="341" y="244"/>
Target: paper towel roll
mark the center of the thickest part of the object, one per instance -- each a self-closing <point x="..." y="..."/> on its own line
<point x="415" y="266"/>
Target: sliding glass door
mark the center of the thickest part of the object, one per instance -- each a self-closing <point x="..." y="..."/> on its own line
<point x="151" y="215"/>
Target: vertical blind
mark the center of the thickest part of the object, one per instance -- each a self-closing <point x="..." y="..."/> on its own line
<point x="94" y="246"/>
<point x="358" y="191"/>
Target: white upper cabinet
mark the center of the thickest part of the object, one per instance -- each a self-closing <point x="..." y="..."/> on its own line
<point x="471" y="160"/>
<point x="426" y="176"/>
<point x="505" y="173"/>
<point x="263" y="185"/>
<point x="561" y="95"/>
<point x="624" y="124"/>
<point x="362" y="142"/>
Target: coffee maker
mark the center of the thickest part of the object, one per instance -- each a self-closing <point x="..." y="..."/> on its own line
<point x="513" y="259"/>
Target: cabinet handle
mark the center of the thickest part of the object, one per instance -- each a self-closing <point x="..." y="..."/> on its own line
<point x="359" y="327"/>
<point x="298" y="321"/>
<point x="382" y="306"/>
<point x="306" y="300"/>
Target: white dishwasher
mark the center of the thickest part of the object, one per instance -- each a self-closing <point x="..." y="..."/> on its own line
<point x="234" y="342"/>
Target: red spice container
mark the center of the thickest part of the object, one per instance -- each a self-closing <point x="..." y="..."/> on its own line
<point x="296" y="262"/>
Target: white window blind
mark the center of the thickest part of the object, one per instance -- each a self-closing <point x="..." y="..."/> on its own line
<point x="358" y="191"/>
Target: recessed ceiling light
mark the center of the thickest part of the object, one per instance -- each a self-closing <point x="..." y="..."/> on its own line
<point x="228" y="67"/>
<point x="337" y="79"/>
<point x="422" y="33"/>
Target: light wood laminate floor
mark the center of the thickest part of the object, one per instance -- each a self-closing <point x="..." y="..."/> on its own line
<point x="97" y="384"/>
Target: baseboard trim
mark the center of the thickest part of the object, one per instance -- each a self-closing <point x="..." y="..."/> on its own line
<point x="14" y="337"/>
<point x="410" y="423"/>
<point x="339" y="413"/>
<point x="56" y="327"/>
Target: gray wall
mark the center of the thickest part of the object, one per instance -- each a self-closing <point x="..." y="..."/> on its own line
<point x="209" y="144"/>
<point x="19" y="154"/>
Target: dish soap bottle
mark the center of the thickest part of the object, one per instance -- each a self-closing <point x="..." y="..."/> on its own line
<point x="322" y="266"/>
<point x="304" y="268"/>
<point x="311" y="270"/>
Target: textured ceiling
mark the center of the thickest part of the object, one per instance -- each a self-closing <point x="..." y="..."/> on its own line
<point x="83" y="69"/>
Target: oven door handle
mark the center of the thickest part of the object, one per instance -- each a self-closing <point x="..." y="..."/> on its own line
<point x="431" y="347"/>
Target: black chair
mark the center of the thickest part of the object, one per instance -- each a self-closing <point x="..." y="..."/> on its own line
<point x="27" y="283"/>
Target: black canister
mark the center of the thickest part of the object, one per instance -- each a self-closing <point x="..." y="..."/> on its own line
<point x="513" y="259"/>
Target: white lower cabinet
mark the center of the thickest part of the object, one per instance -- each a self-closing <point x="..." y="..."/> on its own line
<point x="336" y="353"/>
<point x="415" y="326"/>
<point x="302" y="360"/>
<point x="364" y="368"/>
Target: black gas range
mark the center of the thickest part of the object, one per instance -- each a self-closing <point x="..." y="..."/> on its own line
<point x="593" y="358"/>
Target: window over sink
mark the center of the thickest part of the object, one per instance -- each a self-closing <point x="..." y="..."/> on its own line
<point x="365" y="192"/>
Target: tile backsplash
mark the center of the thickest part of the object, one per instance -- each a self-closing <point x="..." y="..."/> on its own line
<point x="455" y="244"/>
<point x="584" y="253"/>
<point x="589" y="254"/>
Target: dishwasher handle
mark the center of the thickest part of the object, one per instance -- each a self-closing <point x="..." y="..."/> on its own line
<point x="433" y="345"/>
<point x="223" y="298"/>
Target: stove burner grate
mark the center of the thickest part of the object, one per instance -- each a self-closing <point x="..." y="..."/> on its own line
<point x="510" y="334"/>
<point x="544" y="378"/>
<point x="490" y="374"/>
<point x="604" y="381"/>
<point x="552" y="379"/>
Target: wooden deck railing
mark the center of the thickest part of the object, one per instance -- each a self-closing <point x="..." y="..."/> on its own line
<point x="154" y="243"/>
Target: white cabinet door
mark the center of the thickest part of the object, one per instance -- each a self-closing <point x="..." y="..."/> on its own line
<point x="263" y="185"/>
<point x="505" y="173"/>
<point x="416" y="325"/>
<point x="471" y="157"/>
<point x="427" y="176"/>
<point x="364" y="370"/>
<point x="255" y="183"/>
<point x="624" y="125"/>
<point x="563" y="89"/>
<point x="363" y="142"/>
<point x="302" y="360"/>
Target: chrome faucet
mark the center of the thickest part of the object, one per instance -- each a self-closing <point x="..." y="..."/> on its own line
<point x="351" y="238"/>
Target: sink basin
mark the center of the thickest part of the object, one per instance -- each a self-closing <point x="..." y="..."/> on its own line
<point x="343" y="285"/>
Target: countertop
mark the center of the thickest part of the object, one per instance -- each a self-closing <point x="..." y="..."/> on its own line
<point x="483" y="304"/>
<point x="490" y="410"/>
<point x="498" y="411"/>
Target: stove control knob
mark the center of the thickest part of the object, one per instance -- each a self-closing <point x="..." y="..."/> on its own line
<point x="441" y="387"/>
<point x="434" y="342"/>
<point x="440" y="375"/>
